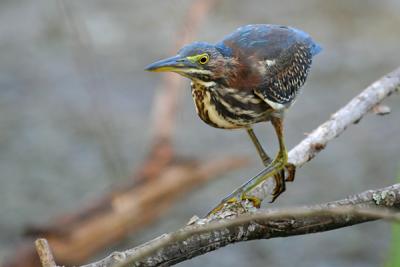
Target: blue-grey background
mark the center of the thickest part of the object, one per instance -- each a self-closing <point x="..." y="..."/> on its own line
<point x="74" y="115"/>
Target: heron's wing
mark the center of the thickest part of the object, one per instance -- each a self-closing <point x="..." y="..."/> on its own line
<point x="274" y="61"/>
<point x="284" y="75"/>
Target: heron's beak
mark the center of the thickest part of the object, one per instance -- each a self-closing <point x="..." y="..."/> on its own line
<point x="175" y="64"/>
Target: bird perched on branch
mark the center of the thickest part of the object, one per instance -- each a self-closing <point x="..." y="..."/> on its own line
<point x="252" y="75"/>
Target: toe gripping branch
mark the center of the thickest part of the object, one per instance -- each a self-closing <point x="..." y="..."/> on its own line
<point x="275" y="169"/>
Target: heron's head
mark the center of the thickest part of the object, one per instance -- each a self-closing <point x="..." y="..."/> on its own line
<point x="196" y="61"/>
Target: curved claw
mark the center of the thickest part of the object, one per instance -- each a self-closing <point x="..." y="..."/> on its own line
<point x="256" y="203"/>
<point x="285" y="175"/>
<point x="280" y="186"/>
<point x="219" y="207"/>
<point x="255" y="200"/>
<point x="291" y="172"/>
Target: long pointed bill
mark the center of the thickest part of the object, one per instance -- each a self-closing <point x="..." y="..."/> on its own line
<point x="175" y="64"/>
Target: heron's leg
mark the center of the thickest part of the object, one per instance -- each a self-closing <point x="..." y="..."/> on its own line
<point x="263" y="155"/>
<point x="279" y="177"/>
<point x="273" y="169"/>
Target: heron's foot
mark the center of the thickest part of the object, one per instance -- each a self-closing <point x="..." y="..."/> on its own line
<point x="224" y="202"/>
<point x="280" y="185"/>
<point x="287" y="174"/>
<point x="256" y="202"/>
<point x="238" y="201"/>
<point x="279" y="169"/>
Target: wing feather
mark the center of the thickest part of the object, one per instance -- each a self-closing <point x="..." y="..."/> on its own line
<point x="272" y="60"/>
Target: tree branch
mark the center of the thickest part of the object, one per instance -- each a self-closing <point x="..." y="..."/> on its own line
<point x="350" y="114"/>
<point x="44" y="252"/>
<point x="194" y="240"/>
<point x="207" y="235"/>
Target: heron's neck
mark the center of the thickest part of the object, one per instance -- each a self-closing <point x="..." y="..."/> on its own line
<point x="202" y="85"/>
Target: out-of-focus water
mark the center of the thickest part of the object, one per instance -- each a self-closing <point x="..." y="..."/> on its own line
<point x="74" y="115"/>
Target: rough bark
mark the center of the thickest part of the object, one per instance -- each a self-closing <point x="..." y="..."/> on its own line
<point x="44" y="252"/>
<point x="194" y="240"/>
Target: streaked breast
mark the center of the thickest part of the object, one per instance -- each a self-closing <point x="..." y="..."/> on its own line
<point x="227" y="108"/>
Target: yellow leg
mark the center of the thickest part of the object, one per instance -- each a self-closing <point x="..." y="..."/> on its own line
<point x="263" y="155"/>
<point x="275" y="168"/>
<point x="266" y="159"/>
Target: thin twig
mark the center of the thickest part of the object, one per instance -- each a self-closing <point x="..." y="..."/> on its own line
<point x="44" y="251"/>
<point x="350" y="114"/>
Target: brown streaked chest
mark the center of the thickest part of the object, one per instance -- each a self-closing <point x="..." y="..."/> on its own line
<point x="206" y="107"/>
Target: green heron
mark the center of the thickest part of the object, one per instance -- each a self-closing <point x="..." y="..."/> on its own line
<point x="252" y="75"/>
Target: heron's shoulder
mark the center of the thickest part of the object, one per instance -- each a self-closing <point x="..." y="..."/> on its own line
<point x="268" y="38"/>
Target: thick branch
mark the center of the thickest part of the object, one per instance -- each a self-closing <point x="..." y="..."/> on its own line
<point x="194" y="240"/>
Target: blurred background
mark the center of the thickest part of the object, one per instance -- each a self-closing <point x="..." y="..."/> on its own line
<point x="75" y="118"/>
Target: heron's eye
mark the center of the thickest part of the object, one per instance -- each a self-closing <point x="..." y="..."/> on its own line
<point x="203" y="59"/>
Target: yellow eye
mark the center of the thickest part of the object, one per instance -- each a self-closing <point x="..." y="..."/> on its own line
<point x="203" y="59"/>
